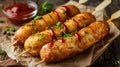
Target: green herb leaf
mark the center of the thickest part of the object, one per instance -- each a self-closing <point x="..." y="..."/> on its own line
<point x="58" y="25"/>
<point x="37" y="17"/>
<point x="2" y="21"/>
<point x="43" y="35"/>
<point x="6" y="28"/>
<point x="46" y="7"/>
<point x="67" y="35"/>
<point x="13" y="29"/>
<point x="39" y="34"/>
<point x="2" y="52"/>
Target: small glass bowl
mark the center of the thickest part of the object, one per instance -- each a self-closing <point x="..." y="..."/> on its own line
<point x="23" y="17"/>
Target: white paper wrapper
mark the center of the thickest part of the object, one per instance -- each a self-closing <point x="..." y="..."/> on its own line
<point x="82" y="60"/>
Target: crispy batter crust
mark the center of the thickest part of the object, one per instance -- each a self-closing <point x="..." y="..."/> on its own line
<point x="89" y="36"/>
<point x="47" y="20"/>
<point x="35" y="45"/>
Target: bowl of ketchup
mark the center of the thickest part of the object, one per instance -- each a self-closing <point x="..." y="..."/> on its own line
<point x="19" y="11"/>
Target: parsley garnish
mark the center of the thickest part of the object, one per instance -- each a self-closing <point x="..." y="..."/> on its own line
<point x="46" y="7"/>
<point x="39" y="34"/>
<point x="67" y="35"/>
<point x="36" y="18"/>
<point x="6" y="28"/>
<point x="2" y="52"/>
<point x="12" y="29"/>
<point x="58" y="25"/>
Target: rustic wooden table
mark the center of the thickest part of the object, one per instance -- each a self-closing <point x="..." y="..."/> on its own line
<point x="110" y="58"/>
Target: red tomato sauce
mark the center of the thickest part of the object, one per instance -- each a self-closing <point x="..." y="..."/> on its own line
<point x="19" y="11"/>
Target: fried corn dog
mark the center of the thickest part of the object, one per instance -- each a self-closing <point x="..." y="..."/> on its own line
<point x="59" y="14"/>
<point x="35" y="42"/>
<point x="71" y="46"/>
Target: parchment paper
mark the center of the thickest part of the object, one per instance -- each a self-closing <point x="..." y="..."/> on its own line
<point x="84" y="59"/>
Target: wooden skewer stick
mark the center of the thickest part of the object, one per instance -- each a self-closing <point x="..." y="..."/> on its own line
<point x="101" y="6"/>
<point x="22" y="53"/>
<point x="39" y="62"/>
<point x="11" y="44"/>
<point x="114" y="16"/>
<point x="81" y="2"/>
